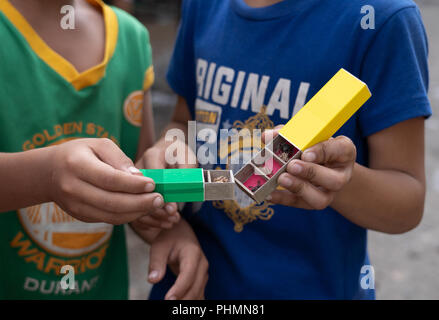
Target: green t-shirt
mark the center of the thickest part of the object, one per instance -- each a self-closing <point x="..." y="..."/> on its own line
<point x="44" y="101"/>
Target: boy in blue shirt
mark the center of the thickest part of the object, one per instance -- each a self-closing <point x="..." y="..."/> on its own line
<point x="252" y="64"/>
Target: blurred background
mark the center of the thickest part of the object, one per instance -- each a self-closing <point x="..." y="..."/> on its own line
<point x="406" y="266"/>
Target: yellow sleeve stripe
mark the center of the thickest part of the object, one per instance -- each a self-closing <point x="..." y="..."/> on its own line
<point x="149" y="78"/>
<point x="327" y="111"/>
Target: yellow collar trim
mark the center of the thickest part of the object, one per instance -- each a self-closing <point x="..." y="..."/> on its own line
<point x="63" y="67"/>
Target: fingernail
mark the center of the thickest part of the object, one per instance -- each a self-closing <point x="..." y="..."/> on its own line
<point x="134" y="170"/>
<point x="158" y="202"/>
<point x="153" y="275"/>
<point x="285" y="181"/>
<point x="172" y="298"/>
<point x="149" y="187"/>
<point x="296" y="168"/>
<point x="268" y="198"/>
<point x="309" y="156"/>
<point x="169" y="208"/>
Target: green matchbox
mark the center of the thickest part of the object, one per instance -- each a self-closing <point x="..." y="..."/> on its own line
<point x="192" y="185"/>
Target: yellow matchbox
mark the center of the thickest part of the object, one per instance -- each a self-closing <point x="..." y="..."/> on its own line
<point x="327" y="111"/>
<point x="317" y="121"/>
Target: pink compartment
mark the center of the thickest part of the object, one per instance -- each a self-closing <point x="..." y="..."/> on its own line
<point x="272" y="166"/>
<point x="254" y="182"/>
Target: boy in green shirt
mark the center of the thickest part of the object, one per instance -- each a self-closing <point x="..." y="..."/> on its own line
<point x="70" y="118"/>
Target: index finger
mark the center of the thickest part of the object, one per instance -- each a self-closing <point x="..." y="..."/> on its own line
<point x="186" y="277"/>
<point x="105" y="177"/>
<point x="334" y="150"/>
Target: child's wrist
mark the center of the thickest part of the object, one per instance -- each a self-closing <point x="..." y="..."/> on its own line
<point x="45" y="164"/>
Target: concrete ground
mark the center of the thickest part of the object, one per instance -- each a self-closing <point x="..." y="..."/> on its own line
<point x="406" y="266"/>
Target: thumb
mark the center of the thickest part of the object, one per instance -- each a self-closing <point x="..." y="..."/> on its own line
<point x="111" y="154"/>
<point x="158" y="260"/>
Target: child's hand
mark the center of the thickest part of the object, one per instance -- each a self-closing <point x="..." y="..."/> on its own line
<point x="94" y="181"/>
<point x="155" y="158"/>
<point x="313" y="181"/>
<point x="179" y="248"/>
<point x="164" y="218"/>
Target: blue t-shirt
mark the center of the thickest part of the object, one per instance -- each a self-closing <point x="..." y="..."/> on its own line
<point x="230" y="61"/>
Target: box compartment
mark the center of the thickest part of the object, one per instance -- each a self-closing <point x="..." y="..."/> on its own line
<point x="265" y="168"/>
<point x="215" y="190"/>
<point x="267" y="162"/>
<point x="250" y="179"/>
<point x="282" y="148"/>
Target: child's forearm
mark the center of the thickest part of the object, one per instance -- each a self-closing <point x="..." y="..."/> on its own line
<point x="25" y="178"/>
<point x="384" y="200"/>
